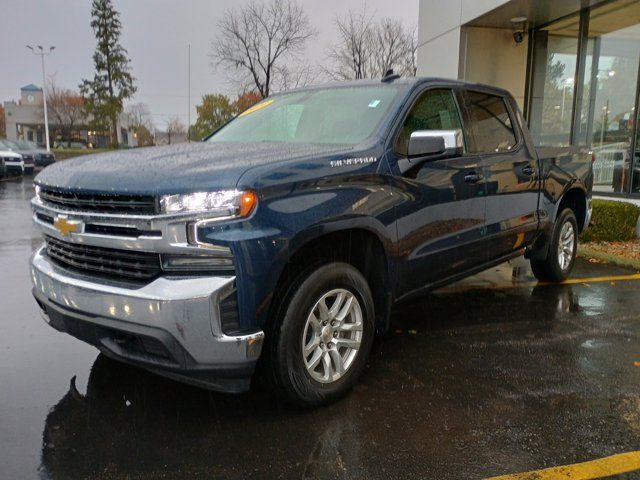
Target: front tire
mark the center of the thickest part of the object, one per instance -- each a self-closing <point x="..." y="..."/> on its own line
<point x="323" y="334"/>
<point x="561" y="256"/>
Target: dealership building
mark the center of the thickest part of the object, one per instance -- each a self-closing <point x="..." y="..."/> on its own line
<point x="24" y="120"/>
<point x="572" y="65"/>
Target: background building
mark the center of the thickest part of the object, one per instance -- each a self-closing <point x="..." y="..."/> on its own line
<point x="573" y="66"/>
<point x="25" y="120"/>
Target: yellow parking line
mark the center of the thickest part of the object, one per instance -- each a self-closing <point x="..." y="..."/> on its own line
<point x="610" y="278"/>
<point x="497" y="286"/>
<point x="600" y="468"/>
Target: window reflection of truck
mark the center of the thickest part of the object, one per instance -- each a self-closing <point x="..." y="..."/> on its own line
<point x="611" y="166"/>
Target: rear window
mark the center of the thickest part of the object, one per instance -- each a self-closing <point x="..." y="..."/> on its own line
<point x="489" y="127"/>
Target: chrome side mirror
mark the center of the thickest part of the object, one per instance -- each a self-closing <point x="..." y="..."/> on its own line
<point x="441" y="143"/>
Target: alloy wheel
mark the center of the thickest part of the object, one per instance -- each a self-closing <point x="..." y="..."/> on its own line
<point x="332" y="335"/>
<point x="566" y="245"/>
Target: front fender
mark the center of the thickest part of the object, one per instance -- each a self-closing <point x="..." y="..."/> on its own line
<point x="264" y="244"/>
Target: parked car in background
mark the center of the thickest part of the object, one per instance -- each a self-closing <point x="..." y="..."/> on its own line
<point x="3" y="168"/>
<point x="39" y="157"/>
<point x="29" y="163"/>
<point x="13" y="161"/>
<point x="62" y="145"/>
<point x="27" y="156"/>
<point x="289" y="234"/>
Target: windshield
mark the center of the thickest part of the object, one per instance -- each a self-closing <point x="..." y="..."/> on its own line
<point x="340" y="115"/>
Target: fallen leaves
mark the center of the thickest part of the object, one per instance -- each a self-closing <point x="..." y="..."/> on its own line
<point x="629" y="249"/>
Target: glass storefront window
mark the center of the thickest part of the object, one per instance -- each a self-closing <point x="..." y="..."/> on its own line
<point x="555" y="56"/>
<point x="602" y="47"/>
<point x="607" y="114"/>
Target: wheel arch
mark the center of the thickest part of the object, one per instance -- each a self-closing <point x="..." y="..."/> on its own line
<point x="575" y="198"/>
<point x="359" y="246"/>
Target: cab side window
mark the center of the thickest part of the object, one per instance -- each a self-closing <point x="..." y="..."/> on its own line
<point x="490" y="128"/>
<point x="434" y="110"/>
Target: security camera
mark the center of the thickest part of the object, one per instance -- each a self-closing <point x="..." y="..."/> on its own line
<point x="520" y="27"/>
<point x="518" y="37"/>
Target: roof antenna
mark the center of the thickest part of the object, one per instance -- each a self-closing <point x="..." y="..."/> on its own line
<point x="390" y="76"/>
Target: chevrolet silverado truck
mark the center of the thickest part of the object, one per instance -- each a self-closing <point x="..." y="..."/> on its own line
<point x="283" y="240"/>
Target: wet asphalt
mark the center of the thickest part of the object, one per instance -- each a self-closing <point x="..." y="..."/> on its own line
<point x="484" y="378"/>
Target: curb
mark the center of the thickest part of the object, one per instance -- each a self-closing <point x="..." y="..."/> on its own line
<point x="586" y="252"/>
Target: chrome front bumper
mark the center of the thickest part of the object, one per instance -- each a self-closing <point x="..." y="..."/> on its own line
<point x="176" y="318"/>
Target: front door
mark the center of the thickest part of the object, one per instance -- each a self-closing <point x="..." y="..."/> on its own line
<point x="441" y="215"/>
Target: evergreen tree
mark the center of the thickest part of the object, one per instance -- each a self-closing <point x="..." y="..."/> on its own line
<point x="112" y="82"/>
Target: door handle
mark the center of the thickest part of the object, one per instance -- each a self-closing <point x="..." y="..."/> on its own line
<point x="472" y="177"/>
<point x="528" y="170"/>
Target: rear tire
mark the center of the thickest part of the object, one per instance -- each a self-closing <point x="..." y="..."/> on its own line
<point x="563" y="246"/>
<point x="322" y="335"/>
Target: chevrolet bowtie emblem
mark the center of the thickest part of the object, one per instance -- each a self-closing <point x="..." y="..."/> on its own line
<point x="66" y="226"/>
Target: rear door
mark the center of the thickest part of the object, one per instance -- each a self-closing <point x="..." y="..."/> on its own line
<point x="441" y="215"/>
<point x="510" y="171"/>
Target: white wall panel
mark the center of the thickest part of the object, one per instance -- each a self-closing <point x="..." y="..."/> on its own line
<point x="440" y="56"/>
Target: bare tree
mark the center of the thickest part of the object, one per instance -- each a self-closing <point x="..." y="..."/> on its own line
<point x="257" y="39"/>
<point x="66" y="108"/>
<point x="411" y="59"/>
<point x="297" y="76"/>
<point x="139" y="115"/>
<point x="351" y="55"/>
<point x="175" y="128"/>
<point x="368" y="49"/>
<point x="139" y="120"/>
<point x="393" y="48"/>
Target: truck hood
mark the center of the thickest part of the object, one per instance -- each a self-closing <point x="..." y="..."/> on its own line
<point x="181" y="168"/>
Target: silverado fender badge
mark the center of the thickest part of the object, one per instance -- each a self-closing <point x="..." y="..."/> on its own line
<point x="66" y="226"/>
<point x="346" y="162"/>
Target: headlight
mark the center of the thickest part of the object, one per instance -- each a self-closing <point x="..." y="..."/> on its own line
<point x="223" y="204"/>
<point x="37" y="188"/>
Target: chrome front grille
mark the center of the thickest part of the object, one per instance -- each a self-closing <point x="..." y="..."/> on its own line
<point x="131" y="248"/>
<point x="108" y="262"/>
<point x="110" y="230"/>
<point x="101" y="203"/>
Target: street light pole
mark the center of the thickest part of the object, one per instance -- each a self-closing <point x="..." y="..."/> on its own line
<point x="42" y="53"/>
<point x="189" y="96"/>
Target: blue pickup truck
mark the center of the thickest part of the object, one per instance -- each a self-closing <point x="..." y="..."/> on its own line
<point x="284" y="239"/>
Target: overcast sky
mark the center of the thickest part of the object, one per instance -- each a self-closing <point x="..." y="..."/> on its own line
<point x="156" y="34"/>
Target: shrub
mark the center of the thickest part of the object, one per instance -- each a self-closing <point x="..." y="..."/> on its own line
<point x="612" y="221"/>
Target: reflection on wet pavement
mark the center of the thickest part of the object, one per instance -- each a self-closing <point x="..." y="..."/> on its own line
<point x="472" y="381"/>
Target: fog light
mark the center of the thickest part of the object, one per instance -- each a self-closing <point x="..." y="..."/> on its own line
<point x="254" y="347"/>
<point x="197" y="262"/>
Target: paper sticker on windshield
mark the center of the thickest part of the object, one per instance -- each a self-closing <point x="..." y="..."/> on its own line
<point x="256" y="107"/>
<point x="374" y="103"/>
